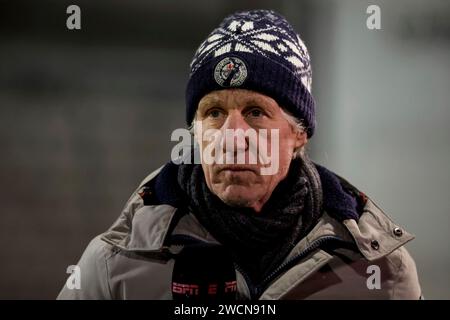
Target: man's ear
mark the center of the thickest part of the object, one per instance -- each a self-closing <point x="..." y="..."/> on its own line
<point x="301" y="138"/>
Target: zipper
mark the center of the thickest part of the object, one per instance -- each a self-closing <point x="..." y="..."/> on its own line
<point x="316" y="244"/>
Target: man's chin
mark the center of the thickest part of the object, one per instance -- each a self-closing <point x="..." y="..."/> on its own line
<point x="237" y="203"/>
<point x="238" y="196"/>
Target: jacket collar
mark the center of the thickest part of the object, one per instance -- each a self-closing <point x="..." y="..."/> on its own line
<point x="375" y="234"/>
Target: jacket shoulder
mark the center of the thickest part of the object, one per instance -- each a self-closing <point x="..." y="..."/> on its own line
<point x="406" y="284"/>
<point x="93" y="273"/>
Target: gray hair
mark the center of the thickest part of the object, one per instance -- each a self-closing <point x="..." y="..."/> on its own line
<point x="296" y="123"/>
<point x="299" y="127"/>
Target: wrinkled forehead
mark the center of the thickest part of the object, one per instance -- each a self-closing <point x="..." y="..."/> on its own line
<point x="236" y="98"/>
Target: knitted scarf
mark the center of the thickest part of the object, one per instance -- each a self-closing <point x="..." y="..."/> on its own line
<point x="258" y="241"/>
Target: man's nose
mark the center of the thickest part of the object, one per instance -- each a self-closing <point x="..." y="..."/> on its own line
<point x="235" y="128"/>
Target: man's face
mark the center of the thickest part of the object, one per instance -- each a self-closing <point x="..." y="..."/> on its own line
<point x="243" y="185"/>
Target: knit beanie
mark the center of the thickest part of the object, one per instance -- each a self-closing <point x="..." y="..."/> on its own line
<point x="256" y="50"/>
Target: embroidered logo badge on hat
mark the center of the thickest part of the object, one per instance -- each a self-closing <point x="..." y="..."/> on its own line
<point x="230" y="72"/>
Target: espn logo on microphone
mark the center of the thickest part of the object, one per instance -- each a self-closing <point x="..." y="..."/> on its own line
<point x="194" y="289"/>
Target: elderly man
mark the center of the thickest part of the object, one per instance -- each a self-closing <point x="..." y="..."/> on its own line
<point x="224" y="229"/>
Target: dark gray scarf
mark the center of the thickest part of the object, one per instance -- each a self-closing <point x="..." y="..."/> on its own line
<point x="258" y="241"/>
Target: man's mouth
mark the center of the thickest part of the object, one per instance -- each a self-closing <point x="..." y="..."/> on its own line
<point x="236" y="168"/>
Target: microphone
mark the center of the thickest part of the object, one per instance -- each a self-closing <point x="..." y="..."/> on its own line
<point x="204" y="272"/>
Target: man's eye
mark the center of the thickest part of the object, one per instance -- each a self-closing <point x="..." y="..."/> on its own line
<point x="256" y="113"/>
<point x="214" y="113"/>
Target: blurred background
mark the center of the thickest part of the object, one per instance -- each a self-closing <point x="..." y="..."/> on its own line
<point x="86" y="114"/>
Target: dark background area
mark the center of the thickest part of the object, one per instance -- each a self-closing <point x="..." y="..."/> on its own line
<point x="86" y="114"/>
